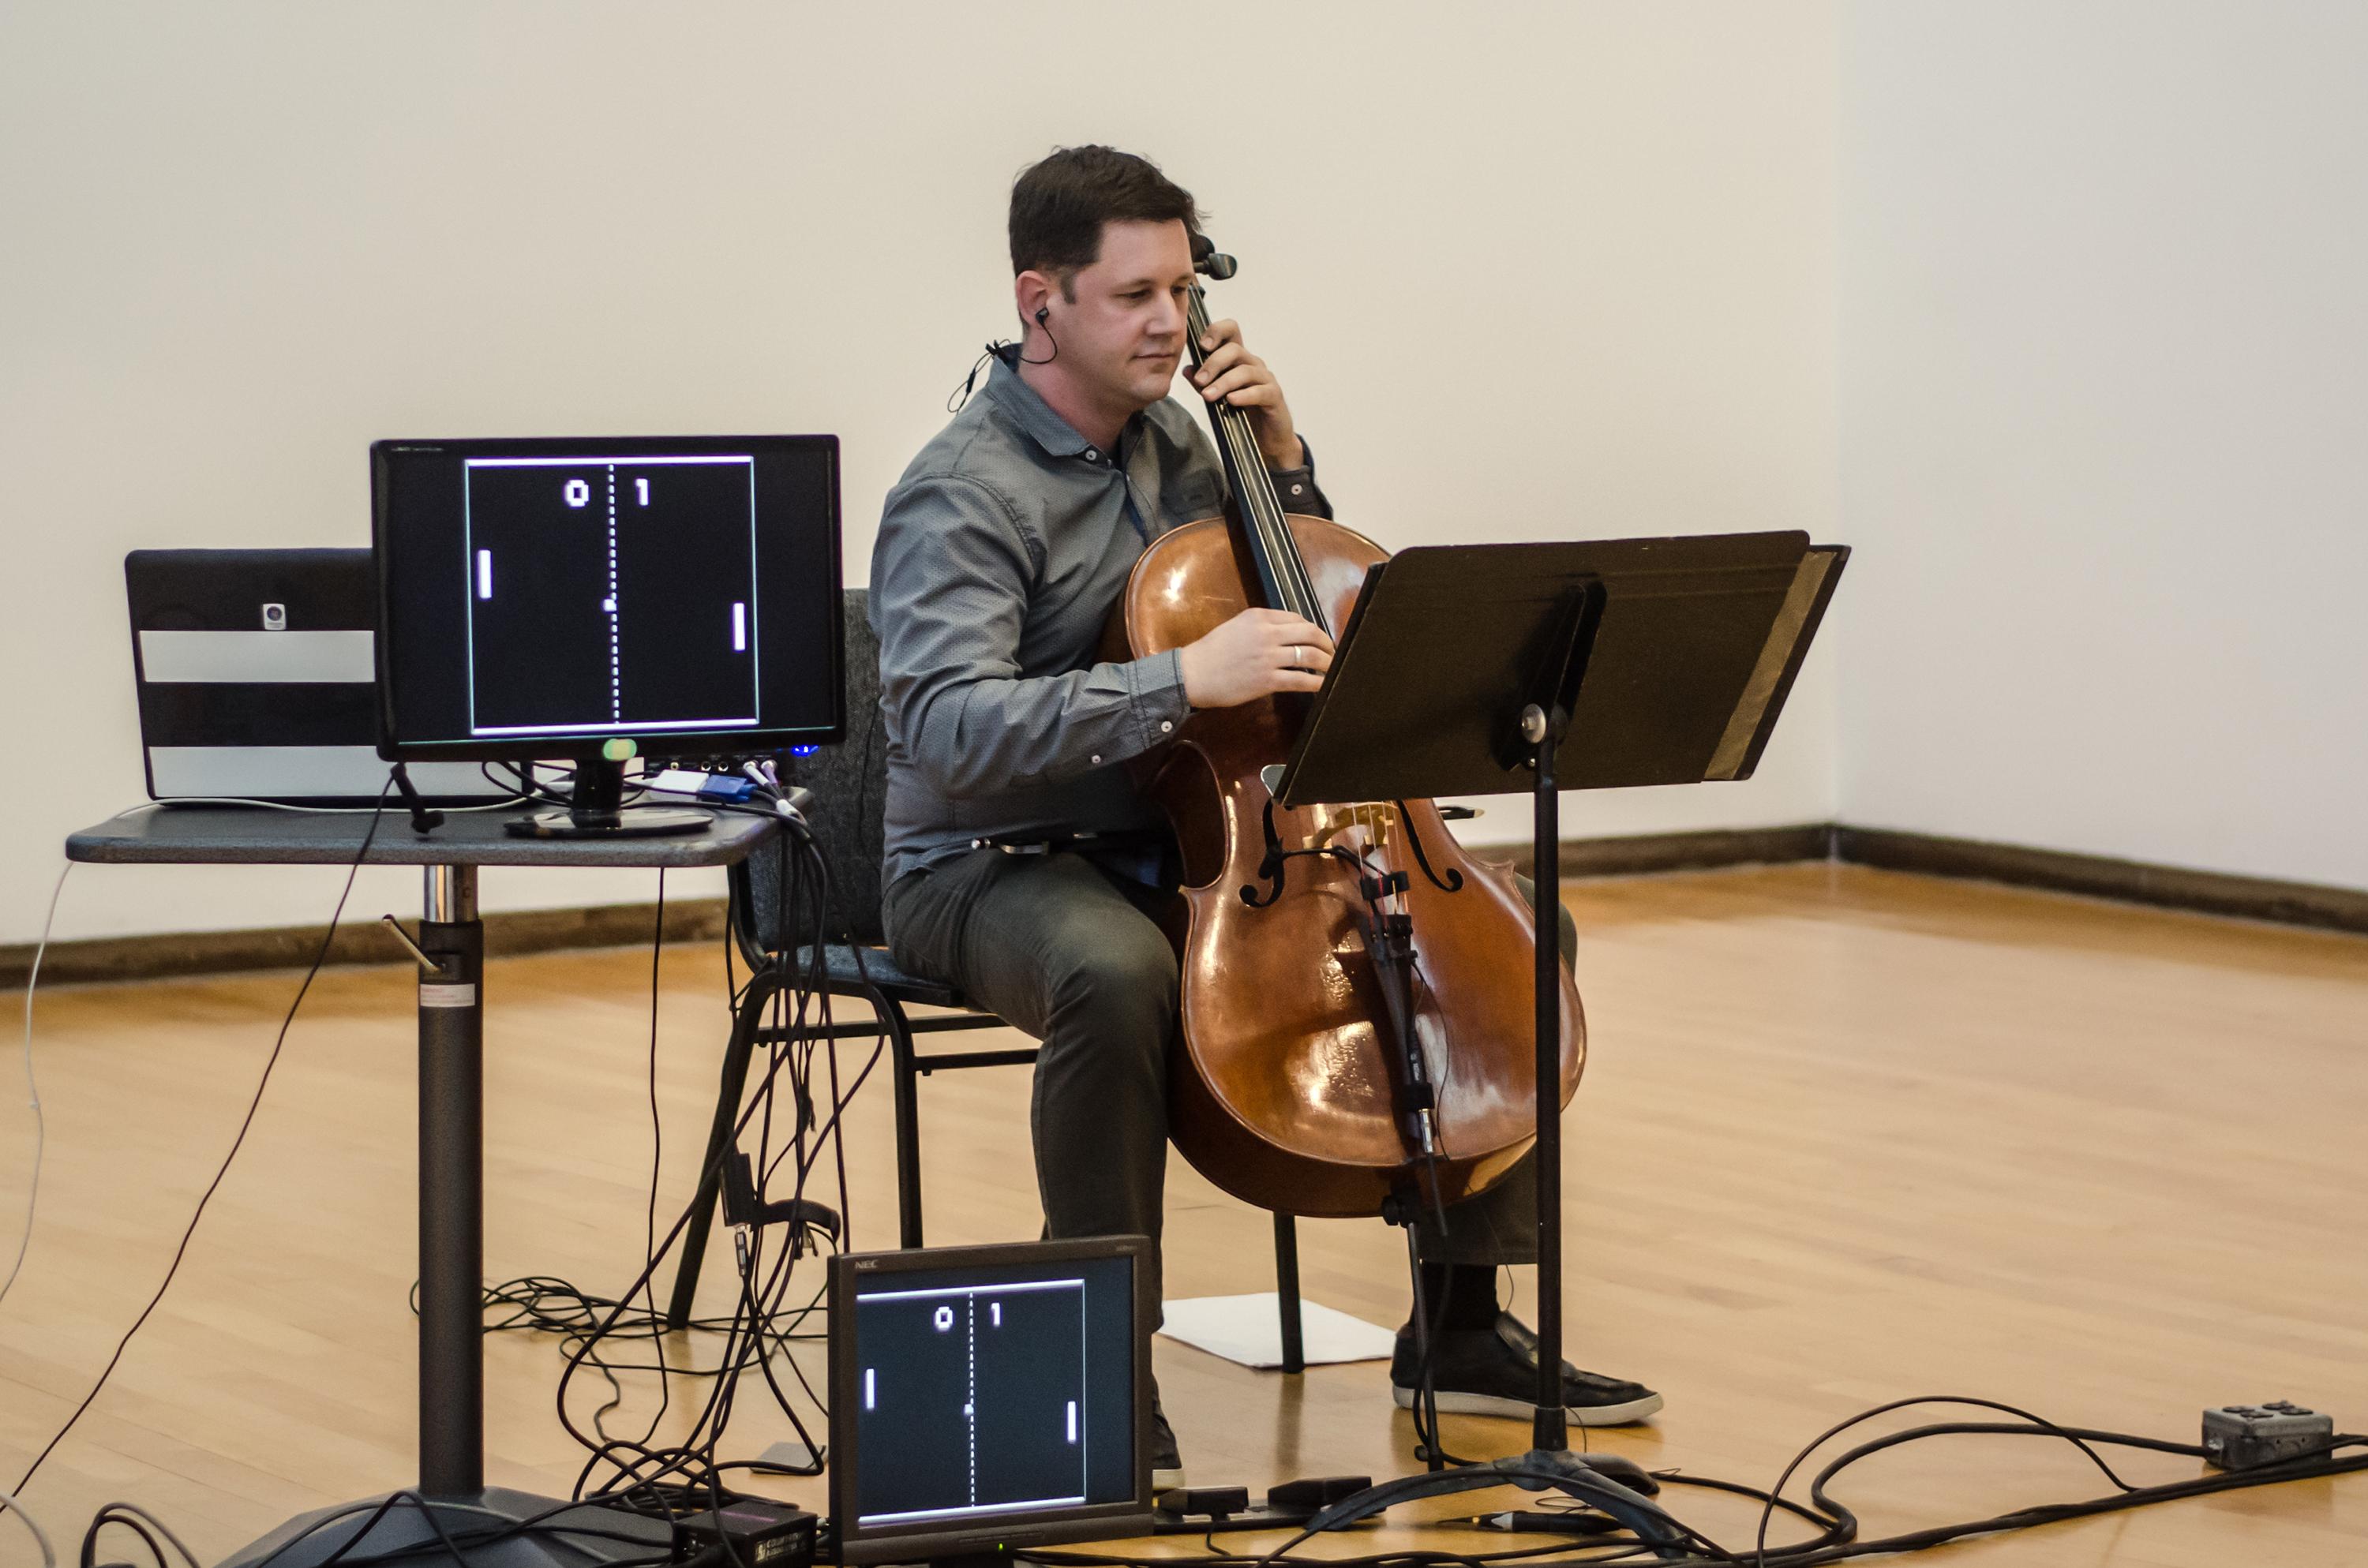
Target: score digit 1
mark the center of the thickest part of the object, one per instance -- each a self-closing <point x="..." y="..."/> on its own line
<point x="642" y="488"/>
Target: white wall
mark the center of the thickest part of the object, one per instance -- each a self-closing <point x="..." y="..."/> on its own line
<point x="2104" y="427"/>
<point x="1526" y="272"/>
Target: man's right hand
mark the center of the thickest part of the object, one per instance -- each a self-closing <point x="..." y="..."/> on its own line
<point x="1256" y="654"/>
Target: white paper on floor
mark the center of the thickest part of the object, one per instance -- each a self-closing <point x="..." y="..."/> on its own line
<point x="1248" y="1330"/>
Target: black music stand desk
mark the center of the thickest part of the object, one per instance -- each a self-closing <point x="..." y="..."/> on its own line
<point x="1494" y="668"/>
<point x="451" y="1136"/>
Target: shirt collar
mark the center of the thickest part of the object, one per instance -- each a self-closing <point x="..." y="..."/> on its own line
<point x="1033" y="414"/>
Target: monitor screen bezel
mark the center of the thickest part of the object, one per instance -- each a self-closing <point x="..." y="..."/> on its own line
<point x="385" y="552"/>
<point x="913" y="1542"/>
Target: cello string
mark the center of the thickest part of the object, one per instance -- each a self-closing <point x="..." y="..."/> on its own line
<point x="1259" y="498"/>
<point x="1270" y="545"/>
<point x="1275" y="536"/>
<point x="1229" y="432"/>
<point x="1291" y="564"/>
<point x="1262" y="507"/>
<point x="1293" y="561"/>
<point x="1290" y="567"/>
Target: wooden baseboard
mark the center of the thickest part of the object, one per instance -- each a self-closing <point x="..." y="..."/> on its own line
<point x="2098" y="876"/>
<point x="1638" y="853"/>
<point x="620" y="924"/>
<point x="1631" y="855"/>
<point x="357" y="942"/>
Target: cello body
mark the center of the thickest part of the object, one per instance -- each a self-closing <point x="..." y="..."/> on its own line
<point x="1285" y="1084"/>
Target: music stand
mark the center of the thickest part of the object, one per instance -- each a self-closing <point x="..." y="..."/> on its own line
<point x="1598" y="665"/>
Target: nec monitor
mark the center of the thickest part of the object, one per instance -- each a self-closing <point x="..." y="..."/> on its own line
<point x="989" y="1396"/>
<point x="598" y="597"/>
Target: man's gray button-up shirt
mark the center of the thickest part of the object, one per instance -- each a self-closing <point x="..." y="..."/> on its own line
<point x="1001" y="552"/>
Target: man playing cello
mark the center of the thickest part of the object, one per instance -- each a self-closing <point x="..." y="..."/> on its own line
<point x="1000" y="554"/>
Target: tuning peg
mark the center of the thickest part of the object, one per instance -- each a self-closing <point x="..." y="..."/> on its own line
<point x="1211" y="261"/>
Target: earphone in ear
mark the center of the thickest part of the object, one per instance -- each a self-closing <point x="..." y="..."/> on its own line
<point x="1044" y="320"/>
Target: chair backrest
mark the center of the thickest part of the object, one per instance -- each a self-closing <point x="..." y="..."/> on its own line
<point x="850" y="812"/>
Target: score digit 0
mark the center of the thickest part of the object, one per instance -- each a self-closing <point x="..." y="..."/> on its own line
<point x="579" y="493"/>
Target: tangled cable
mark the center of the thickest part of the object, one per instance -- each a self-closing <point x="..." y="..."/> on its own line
<point x="768" y="1315"/>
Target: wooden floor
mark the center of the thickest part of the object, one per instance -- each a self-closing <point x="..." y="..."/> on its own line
<point x="1845" y="1137"/>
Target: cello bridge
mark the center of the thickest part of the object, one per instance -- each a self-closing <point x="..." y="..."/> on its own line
<point x="1370" y="819"/>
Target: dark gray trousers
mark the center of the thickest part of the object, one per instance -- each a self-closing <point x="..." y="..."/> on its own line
<point x="1070" y="953"/>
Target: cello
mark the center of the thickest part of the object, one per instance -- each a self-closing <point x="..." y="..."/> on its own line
<point x="1357" y="1012"/>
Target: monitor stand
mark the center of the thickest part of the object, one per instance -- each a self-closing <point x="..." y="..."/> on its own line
<point x="596" y="808"/>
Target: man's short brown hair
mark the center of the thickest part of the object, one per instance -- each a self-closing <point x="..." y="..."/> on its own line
<point x="1059" y="205"/>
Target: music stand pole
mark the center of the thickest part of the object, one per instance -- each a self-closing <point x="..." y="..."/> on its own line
<point x="1550" y="1431"/>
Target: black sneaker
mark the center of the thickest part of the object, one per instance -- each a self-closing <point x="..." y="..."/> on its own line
<point x="1495" y="1372"/>
<point x="1166" y="1459"/>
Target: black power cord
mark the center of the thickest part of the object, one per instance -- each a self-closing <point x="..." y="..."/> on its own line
<point x="1836" y="1524"/>
<point x="2321" y="1462"/>
<point x="755" y="1332"/>
<point x="583" y="1321"/>
<point x="142" y="1523"/>
<point x="801" y="1045"/>
<point x="1759" y="1545"/>
<point x="762" y="1324"/>
<point x="320" y="956"/>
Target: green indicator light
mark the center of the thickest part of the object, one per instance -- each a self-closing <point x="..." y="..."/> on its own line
<point x="619" y="750"/>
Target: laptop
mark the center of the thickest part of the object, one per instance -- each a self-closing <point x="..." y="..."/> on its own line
<point x="257" y="679"/>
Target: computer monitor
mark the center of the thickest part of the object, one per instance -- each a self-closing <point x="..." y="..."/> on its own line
<point x="989" y="1396"/>
<point x="257" y="679"/>
<point x="600" y="598"/>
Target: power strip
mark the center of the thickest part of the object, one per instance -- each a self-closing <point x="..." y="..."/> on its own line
<point x="2247" y="1436"/>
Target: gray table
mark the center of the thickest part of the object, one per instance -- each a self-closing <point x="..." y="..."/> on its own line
<point x="450" y="948"/>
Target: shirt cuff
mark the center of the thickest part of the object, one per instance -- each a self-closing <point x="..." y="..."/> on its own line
<point x="1297" y="485"/>
<point x="1160" y="704"/>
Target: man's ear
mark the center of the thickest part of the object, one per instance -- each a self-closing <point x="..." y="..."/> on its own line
<point x="1034" y="291"/>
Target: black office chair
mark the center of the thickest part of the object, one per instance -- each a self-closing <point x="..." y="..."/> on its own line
<point x="848" y="816"/>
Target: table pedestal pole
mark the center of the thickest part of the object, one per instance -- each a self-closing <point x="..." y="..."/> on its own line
<point x="451" y="1316"/>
